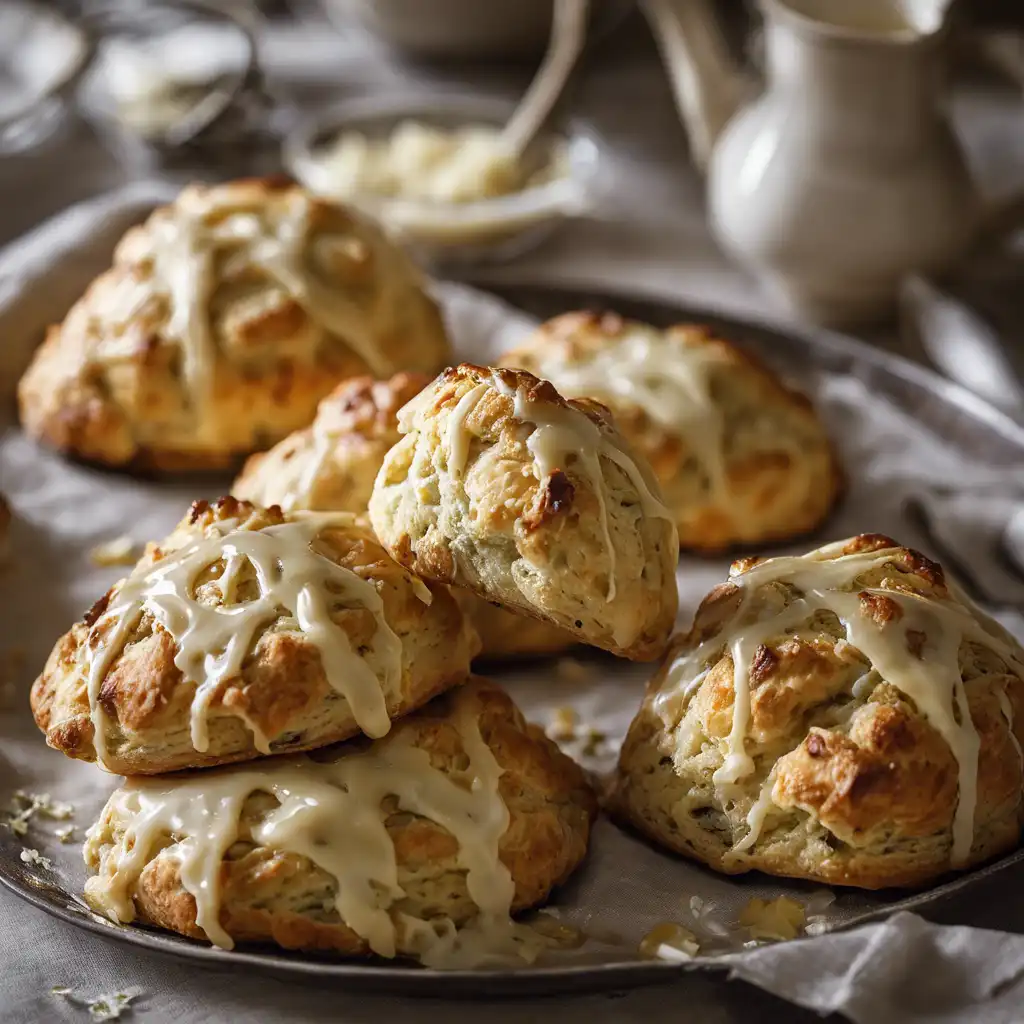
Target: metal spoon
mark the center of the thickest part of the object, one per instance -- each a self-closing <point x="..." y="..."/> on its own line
<point x="961" y="344"/>
<point x="568" y="34"/>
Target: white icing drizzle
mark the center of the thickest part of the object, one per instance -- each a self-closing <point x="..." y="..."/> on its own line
<point x="298" y="588"/>
<point x="932" y="681"/>
<point x="559" y="432"/>
<point x="668" y="380"/>
<point x="756" y="815"/>
<point x="185" y="245"/>
<point x="331" y="814"/>
<point x="457" y="439"/>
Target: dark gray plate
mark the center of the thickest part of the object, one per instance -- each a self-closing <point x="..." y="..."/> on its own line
<point x="966" y="422"/>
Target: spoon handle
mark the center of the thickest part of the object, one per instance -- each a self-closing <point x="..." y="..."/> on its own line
<point x="568" y="33"/>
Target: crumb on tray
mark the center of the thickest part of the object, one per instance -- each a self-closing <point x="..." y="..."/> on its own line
<point x="669" y="941"/>
<point x="118" y="551"/>
<point x="104" y="1007"/>
<point x="778" y="920"/>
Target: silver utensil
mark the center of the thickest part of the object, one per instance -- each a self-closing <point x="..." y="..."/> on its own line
<point x="961" y="344"/>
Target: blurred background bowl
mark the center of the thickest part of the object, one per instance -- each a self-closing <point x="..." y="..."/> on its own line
<point x="467" y="29"/>
<point x="445" y="235"/>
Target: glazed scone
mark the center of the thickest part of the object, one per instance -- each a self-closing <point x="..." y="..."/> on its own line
<point x="508" y="635"/>
<point x="501" y="486"/>
<point x="332" y="464"/>
<point x="223" y="321"/>
<point x="845" y="716"/>
<point x="461" y="816"/>
<point x="741" y="458"/>
<point x="249" y="632"/>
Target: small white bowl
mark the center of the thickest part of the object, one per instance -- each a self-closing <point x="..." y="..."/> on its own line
<point x="455" y="234"/>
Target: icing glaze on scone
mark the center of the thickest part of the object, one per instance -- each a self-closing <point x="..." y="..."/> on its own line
<point x="215" y="634"/>
<point x="911" y="641"/>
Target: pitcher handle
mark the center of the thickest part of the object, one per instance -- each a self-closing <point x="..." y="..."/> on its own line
<point x="708" y="84"/>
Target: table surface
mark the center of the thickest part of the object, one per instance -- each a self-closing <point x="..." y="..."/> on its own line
<point x="650" y="238"/>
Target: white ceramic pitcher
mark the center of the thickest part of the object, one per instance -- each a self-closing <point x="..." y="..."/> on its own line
<point x="844" y="176"/>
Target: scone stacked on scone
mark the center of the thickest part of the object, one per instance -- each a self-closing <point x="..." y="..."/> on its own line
<point x="249" y="632"/>
<point x="846" y="716"/>
<point x="420" y="844"/>
<point x="741" y="458"/>
<point x="223" y="321"/>
<point x="501" y="486"/>
<point x="331" y="465"/>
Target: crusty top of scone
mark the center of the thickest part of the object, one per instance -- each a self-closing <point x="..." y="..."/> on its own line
<point x="331" y="464"/>
<point x="225" y="317"/>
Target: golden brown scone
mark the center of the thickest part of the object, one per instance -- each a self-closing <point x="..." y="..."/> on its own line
<point x="332" y="464"/>
<point x="741" y="458"/>
<point x="502" y="486"/>
<point x="504" y="634"/>
<point x="332" y="637"/>
<point x="270" y="891"/>
<point x="225" y="318"/>
<point x="842" y="758"/>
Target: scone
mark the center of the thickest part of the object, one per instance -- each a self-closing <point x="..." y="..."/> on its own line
<point x="502" y="486"/>
<point x="845" y="716"/>
<point x="741" y="458"/>
<point x="421" y="844"/>
<point x="506" y="635"/>
<point x="332" y="464"/>
<point x="225" y="318"/>
<point x="249" y="632"/>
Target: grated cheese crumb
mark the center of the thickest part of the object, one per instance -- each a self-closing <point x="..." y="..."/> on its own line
<point x="35" y="859"/>
<point x="562" y="725"/>
<point x="593" y="742"/>
<point x="66" y="835"/>
<point x="669" y="941"/>
<point x="119" y="551"/>
<point x="778" y="920"/>
<point x="27" y="805"/>
<point x="104" y="1007"/>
